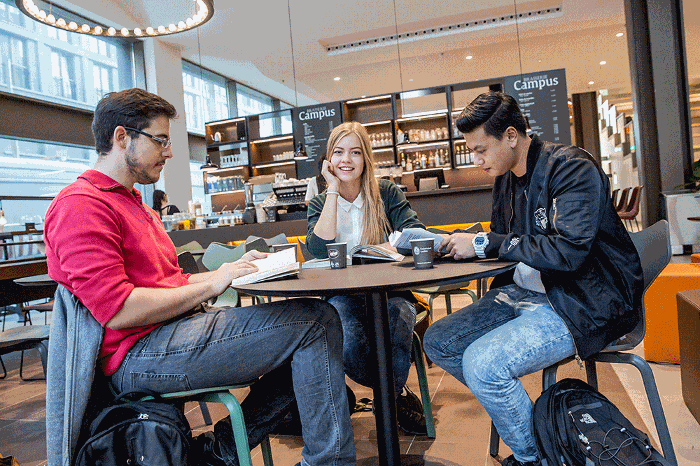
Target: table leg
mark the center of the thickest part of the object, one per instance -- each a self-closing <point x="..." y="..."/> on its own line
<point x="384" y="396"/>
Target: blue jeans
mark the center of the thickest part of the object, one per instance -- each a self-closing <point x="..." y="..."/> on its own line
<point x="237" y="345"/>
<point x="487" y="346"/>
<point x="357" y="355"/>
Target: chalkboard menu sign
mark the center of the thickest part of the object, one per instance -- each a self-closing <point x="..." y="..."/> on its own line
<point x="312" y="126"/>
<point x="543" y="99"/>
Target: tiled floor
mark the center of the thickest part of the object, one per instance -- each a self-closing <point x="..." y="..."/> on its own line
<point x="462" y="425"/>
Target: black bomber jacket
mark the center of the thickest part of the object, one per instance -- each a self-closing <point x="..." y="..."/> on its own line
<point x="589" y="266"/>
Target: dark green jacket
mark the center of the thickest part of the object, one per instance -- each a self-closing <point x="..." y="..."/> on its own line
<point x="398" y="212"/>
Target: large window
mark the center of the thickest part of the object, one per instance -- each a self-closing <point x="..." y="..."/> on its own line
<point x="51" y="64"/>
<point x="37" y="168"/>
<point x="206" y="97"/>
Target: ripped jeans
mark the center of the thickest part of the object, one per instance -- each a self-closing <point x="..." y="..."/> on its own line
<point x="509" y="333"/>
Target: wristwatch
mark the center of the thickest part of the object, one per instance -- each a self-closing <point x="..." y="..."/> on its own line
<point x="480" y="241"/>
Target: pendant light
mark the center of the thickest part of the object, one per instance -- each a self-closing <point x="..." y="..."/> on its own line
<point x="208" y="165"/>
<point x="42" y="11"/>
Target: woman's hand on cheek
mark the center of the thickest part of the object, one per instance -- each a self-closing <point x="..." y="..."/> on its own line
<point x="328" y="173"/>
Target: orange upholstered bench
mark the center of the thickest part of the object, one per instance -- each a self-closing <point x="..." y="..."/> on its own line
<point x="661" y="339"/>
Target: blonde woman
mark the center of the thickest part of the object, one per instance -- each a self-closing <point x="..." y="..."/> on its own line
<point x="356" y="208"/>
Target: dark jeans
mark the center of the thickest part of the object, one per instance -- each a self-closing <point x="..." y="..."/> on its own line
<point x="298" y="340"/>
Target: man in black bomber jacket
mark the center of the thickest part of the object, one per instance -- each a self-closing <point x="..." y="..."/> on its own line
<point x="578" y="283"/>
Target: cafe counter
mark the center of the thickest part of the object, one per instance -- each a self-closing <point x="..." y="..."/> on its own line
<point x="438" y="207"/>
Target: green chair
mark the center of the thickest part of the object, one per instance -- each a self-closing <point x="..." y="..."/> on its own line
<point x="218" y="254"/>
<point x="423" y="379"/>
<point x="191" y="246"/>
<point x="449" y="290"/>
<point x="240" y="434"/>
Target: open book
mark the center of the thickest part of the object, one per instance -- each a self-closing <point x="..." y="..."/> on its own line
<point x="364" y="251"/>
<point x="402" y="239"/>
<point x="359" y="253"/>
<point x="276" y="265"/>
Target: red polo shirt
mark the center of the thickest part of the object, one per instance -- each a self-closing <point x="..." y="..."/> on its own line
<point x="101" y="243"/>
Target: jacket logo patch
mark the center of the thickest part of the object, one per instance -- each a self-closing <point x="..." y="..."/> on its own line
<point x="541" y="218"/>
<point x="513" y="242"/>
<point x="587" y="419"/>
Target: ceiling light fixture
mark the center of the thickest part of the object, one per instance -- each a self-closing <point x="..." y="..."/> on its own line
<point x="469" y="57"/>
<point x="619" y="34"/>
<point x="205" y="10"/>
<point x="603" y="62"/>
<point x="590" y="83"/>
<point x="337" y="78"/>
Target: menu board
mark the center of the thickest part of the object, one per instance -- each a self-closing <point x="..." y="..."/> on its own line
<point x="312" y="126"/>
<point x="543" y="100"/>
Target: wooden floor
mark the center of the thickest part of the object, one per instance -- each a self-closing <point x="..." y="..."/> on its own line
<point x="462" y="425"/>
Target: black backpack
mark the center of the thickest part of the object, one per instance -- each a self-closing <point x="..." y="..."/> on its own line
<point x="577" y="426"/>
<point x="134" y="432"/>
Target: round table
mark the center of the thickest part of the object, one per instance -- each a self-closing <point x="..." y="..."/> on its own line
<point x="374" y="281"/>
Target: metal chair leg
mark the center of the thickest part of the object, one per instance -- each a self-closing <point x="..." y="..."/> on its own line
<point x="652" y="396"/>
<point x="205" y="413"/>
<point x="494" y="441"/>
<point x="423" y="383"/>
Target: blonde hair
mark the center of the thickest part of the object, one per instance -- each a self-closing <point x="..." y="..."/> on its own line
<point x="375" y="225"/>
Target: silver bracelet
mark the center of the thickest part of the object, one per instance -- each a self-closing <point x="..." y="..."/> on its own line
<point x="331" y="192"/>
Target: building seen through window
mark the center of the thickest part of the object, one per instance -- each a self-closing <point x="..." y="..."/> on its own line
<point x="55" y="65"/>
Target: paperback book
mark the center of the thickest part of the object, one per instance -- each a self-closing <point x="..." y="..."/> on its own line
<point x="276" y="265"/>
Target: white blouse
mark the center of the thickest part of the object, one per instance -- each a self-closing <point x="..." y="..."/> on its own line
<point x="348" y="223"/>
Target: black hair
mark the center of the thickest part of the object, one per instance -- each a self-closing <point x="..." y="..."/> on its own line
<point x="158" y="196"/>
<point x="495" y="111"/>
<point x="135" y="108"/>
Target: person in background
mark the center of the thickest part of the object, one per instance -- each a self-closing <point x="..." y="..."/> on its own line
<point x="111" y="251"/>
<point x="358" y="209"/>
<point x="317" y="184"/>
<point x="160" y="204"/>
<point x="578" y="281"/>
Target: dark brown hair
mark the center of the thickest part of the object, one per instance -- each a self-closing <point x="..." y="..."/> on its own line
<point x="135" y="108"/>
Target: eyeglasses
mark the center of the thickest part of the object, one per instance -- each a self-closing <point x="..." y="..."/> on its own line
<point x="164" y="143"/>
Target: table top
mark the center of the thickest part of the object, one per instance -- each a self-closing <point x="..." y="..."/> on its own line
<point x="35" y="280"/>
<point x="377" y="277"/>
<point x="9" y="270"/>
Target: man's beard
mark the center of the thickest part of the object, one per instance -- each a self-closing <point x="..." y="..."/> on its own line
<point x="140" y="173"/>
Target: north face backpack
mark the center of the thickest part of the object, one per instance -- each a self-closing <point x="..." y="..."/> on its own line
<point x="134" y="432"/>
<point x="577" y="426"/>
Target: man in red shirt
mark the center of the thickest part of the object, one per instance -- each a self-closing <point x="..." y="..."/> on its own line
<point x="110" y="250"/>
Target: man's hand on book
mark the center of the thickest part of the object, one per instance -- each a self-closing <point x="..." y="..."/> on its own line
<point x="458" y="245"/>
<point x="254" y="254"/>
<point x="225" y="274"/>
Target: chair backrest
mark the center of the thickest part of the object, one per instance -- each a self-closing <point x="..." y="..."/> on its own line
<point x="632" y="208"/>
<point x="217" y="254"/>
<point x="191" y="246"/>
<point x="614" y="196"/>
<point x="187" y="262"/>
<point x="653" y="245"/>
<point x="623" y="199"/>
<point x="305" y="251"/>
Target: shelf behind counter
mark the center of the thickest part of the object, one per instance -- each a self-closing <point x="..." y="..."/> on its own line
<point x="438" y="207"/>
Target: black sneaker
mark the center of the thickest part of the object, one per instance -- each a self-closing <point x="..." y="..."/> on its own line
<point x="511" y="461"/>
<point x="409" y="413"/>
<point x="203" y="453"/>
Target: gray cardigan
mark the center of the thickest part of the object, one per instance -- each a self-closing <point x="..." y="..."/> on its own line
<point x="74" y="345"/>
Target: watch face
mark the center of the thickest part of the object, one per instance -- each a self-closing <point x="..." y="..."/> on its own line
<point x="479" y="240"/>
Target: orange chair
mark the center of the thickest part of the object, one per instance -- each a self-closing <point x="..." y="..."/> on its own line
<point x="661" y="338"/>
